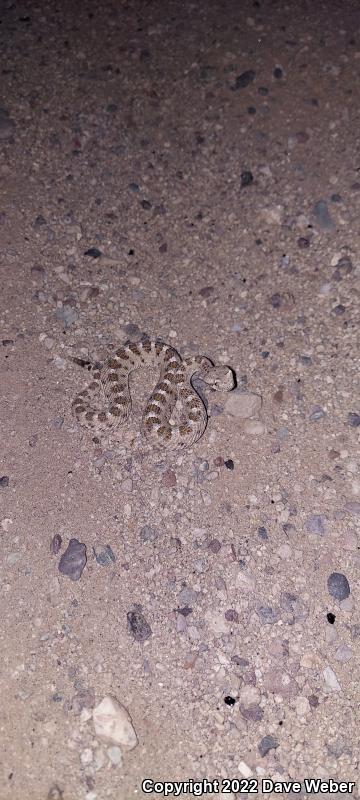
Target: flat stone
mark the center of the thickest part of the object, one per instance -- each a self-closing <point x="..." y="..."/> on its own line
<point x="254" y="427"/>
<point x="138" y="625"/>
<point x="243" y="404"/>
<point x="266" y="744"/>
<point x="104" y="555"/>
<point x="322" y="216"/>
<point x="331" y="679"/>
<point x="338" y="585"/>
<point x="113" y="724"/>
<point x="73" y="561"/>
<point x="316" y="524"/>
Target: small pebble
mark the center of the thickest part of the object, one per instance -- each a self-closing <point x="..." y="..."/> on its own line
<point x="148" y="534"/>
<point x="316" y="524"/>
<point x="57" y="423"/>
<point x="246" y="178"/>
<point x="214" y="546"/>
<point x="275" y="300"/>
<point x="353" y="420"/>
<point x="188" y="596"/>
<point x="313" y="701"/>
<point x="219" y="461"/>
<point x="338" y="585"/>
<point x="231" y="615"/>
<point x="73" y="561"/>
<point x="303" y="243"/>
<point x="262" y="533"/>
<point x="104" y="555"/>
<point x="244" y="769"/>
<point x="317" y="412"/>
<point x="331" y="679"/>
<point x="342" y="269"/>
<point x="244" y="79"/>
<point x="39" y="221"/>
<point x="113" y="724"/>
<point x="138" y="625"/>
<point x="266" y="744"/>
<point x="338" y="310"/>
<point x="169" y="479"/>
<point x="55" y="544"/>
<point x="229" y="464"/>
<point x="206" y="291"/>
<point x="277" y="73"/>
<point x="4" y="481"/>
<point x="67" y="315"/>
<point x="93" y="252"/>
<point x="229" y="700"/>
<point x="322" y="216"/>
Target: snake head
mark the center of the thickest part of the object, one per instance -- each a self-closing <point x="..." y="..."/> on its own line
<point x="222" y="379"/>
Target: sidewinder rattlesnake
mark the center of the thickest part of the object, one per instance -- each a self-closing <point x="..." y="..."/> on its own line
<point x="106" y="401"/>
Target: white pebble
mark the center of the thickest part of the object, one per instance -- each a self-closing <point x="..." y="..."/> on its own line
<point x="244" y="770"/>
<point x="331" y="679"/>
<point x="113" y="723"/>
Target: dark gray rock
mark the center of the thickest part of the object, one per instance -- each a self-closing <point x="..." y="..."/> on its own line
<point x="73" y="561"/>
<point x="266" y="744"/>
<point x="244" y="79"/>
<point x="138" y="625"/>
<point x="338" y="585"/>
<point x="55" y="544"/>
<point x="104" y="555"/>
<point x="322" y="216"/>
<point x="353" y="419"/>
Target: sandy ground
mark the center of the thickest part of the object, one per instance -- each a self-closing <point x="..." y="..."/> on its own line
<point x="188" y="170"/>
